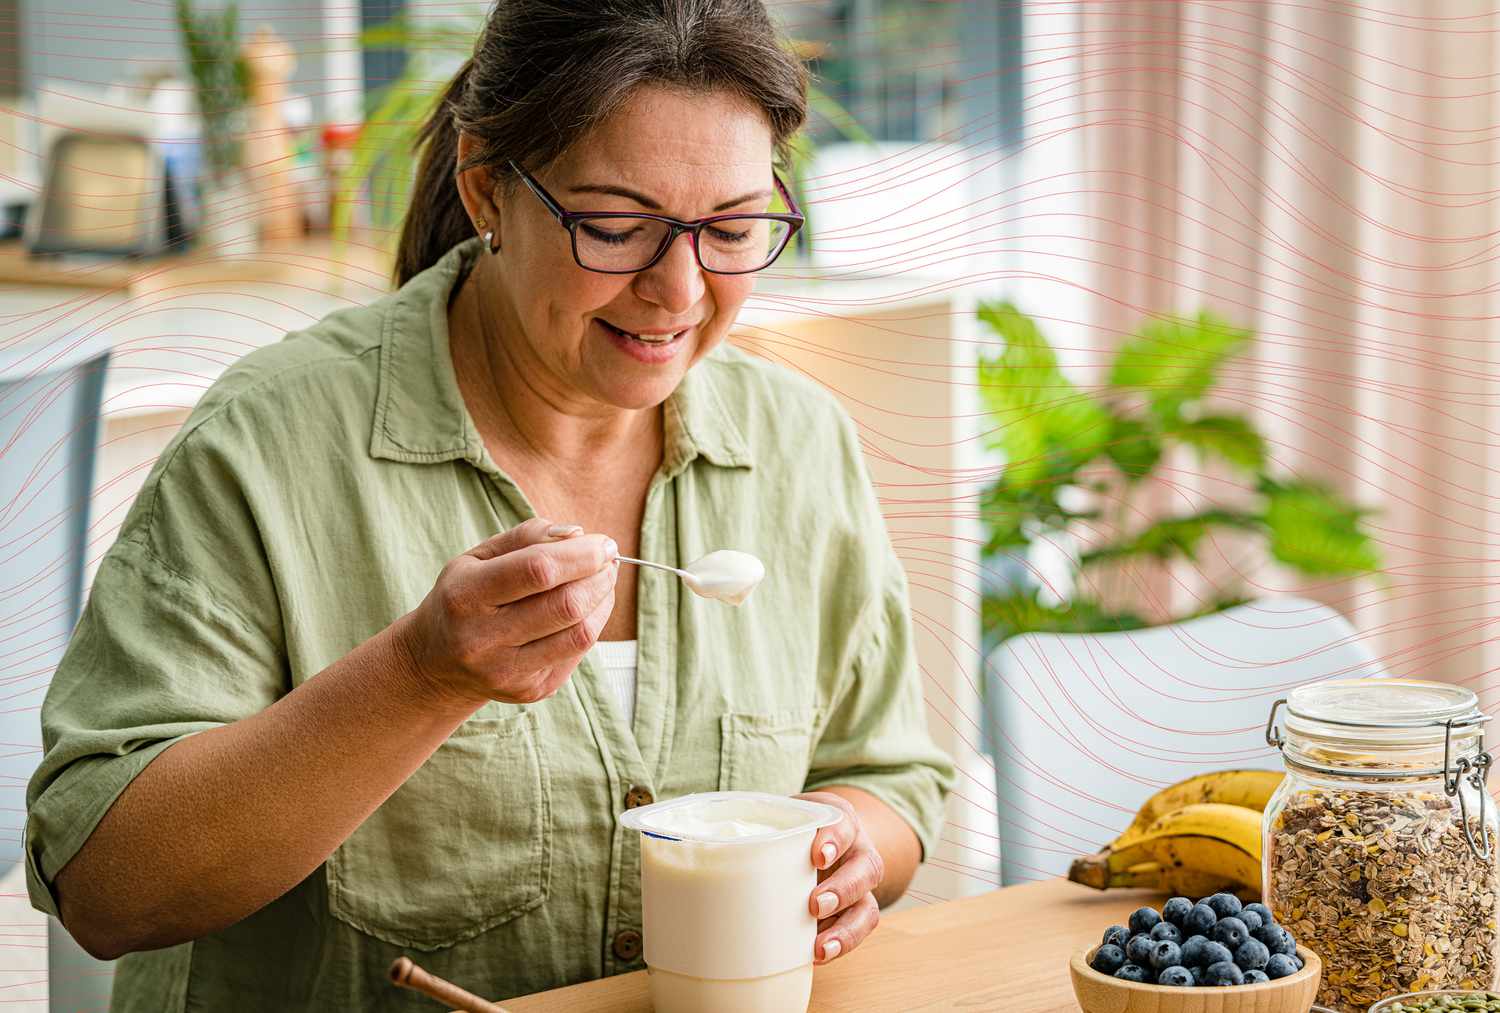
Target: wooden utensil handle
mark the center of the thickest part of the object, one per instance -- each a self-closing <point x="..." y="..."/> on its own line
<point x="409" y="975"/>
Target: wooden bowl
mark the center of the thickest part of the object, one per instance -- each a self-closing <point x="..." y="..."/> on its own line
<point x="1102" y="993"/>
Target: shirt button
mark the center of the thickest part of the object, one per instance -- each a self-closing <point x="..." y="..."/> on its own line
<point x="637" y="797"/>
<point x="627" y="945"/>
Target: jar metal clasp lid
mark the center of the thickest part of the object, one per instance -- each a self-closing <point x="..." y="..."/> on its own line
<point x="1476" y="769"/>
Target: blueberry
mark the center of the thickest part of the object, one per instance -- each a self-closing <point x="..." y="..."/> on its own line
<point x="1284" y="943"/>
<point x="1192" y="951"/>
<point x="1138" y="950"/>
<point x="1216" y="953"/>
<point x="1252" y="921"/>
<point x="1197" y="975"/>
<point x="1176" y="909"/>
<point x="1165" y="954"/>
<point x="1134" y="972"/>
<point x="1269" y="933"/>
<point x="1200" y="920"/>
<point x="1223" y="973"/>
<point x="1231" y="932"/>
<point x="1255" y="977"/>
<point x="1143" y="920"/>
<point x="1252" y="955"/>
<point x="1166" y="930"/>
<point x="1119" y="935"/>
<point x="1279" y="966"/>
<point x="1224" y="905"/>
<point x="1108" y="959"/>
<point x="1175" y="975"/>
<point x="1262" y="910"/>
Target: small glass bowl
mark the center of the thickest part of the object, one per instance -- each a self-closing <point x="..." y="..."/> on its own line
<point x="1388" y="1003"/>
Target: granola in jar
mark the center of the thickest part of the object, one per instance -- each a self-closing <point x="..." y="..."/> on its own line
<point x="1377" y="857"/>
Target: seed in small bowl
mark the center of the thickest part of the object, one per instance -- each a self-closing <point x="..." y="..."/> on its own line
<point x="1450" y="1001"/>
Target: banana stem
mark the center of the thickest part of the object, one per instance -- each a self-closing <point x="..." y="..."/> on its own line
<point x="1091" y="870"/>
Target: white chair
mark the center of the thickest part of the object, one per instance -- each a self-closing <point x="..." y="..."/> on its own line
<point x="49" y="425"/>
<point x="1085" y="727"/>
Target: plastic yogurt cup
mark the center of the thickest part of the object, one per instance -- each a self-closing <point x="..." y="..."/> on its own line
<point x="725" y="881"/>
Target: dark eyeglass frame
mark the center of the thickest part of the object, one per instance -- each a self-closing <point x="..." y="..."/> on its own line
<point x="570" y="220"/>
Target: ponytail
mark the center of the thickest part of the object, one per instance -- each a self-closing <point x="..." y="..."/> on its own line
<point x="436" y="220"/>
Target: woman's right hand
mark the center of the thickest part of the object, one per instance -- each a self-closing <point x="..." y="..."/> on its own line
<point x="509" y="619"/>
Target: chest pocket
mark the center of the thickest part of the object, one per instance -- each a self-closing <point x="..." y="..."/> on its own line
<point x="463" y="846"/>
<point x="766" y="752"/>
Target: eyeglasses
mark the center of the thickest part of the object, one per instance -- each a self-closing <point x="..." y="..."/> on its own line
<point x="622" y="242"/>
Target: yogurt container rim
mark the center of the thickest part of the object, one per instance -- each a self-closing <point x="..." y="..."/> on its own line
<point x="818" y="815"/>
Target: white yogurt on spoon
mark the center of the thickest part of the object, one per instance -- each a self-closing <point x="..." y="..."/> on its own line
<point x="726" y="574"/>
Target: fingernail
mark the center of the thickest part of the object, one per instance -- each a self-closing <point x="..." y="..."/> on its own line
<point x="564" y="531"/>
<point x="827" y="904"/>
<point x="831" y="949"/>
<point x="830" y="852"/>
<point x="610" y="548"/>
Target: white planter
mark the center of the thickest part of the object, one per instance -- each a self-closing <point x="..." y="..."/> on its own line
<point x="228" y="220"/>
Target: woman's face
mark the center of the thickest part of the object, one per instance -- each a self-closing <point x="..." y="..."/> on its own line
<point x="685" y="154"/>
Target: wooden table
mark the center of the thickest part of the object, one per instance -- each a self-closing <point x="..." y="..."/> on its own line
<point x="1006" y="950"/>
<point x="317" y="261"/>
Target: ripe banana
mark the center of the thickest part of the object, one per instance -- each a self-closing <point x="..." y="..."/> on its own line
<point x="1249" y="788"/>
<point x="1211" y="838"/>
<point x="1182" y="882"/>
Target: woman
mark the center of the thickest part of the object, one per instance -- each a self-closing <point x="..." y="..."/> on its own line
<point x="279" y="754"/>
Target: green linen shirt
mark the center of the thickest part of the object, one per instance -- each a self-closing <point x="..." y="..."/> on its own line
<point x="311" y="499"/>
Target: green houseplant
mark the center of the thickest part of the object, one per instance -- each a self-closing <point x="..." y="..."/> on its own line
<point x="385" y="156"/>
<point x="1063" y="444"/>
<point x="221" y="83"/>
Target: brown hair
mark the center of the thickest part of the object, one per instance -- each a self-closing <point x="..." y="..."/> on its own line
<point x="546" y="72"/>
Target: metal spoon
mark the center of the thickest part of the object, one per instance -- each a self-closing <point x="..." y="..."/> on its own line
<point x="660" y="566"/>
<point x="714" y="585"/>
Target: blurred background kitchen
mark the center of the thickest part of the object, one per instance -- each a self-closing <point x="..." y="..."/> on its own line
<point x="1147" y="310"/>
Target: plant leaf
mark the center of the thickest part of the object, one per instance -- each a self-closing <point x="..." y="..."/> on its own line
<point x="1224" y="601"/>
<point x="1173" y="536"/>
<point x="1003" y="514"/>
<point x="842" y="119"/>
<point x="1020" y="612"/>
<point x="1005" y="508"/>
<point x="423" y="38"/>
<point x="1229" y="437"/>
<point x="1047" y="427"/>
<point x="385" y="155"/>
<point x="1316" y="530"/>
<point x="1133" y="446"/>
<point x="1172" y="360"/>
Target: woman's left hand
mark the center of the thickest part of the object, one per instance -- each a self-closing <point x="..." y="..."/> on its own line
<point x="849" y="869"/>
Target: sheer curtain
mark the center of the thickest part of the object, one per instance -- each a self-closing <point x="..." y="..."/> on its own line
<point x="1324" y="173"/>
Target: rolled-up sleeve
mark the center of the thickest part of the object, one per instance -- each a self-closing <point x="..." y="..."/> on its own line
<point x="163" y="650"/>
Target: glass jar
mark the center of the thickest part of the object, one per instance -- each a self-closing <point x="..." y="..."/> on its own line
<point x="1379" y="847"/>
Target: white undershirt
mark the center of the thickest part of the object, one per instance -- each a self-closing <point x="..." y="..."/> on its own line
<point x="618" y="659"/>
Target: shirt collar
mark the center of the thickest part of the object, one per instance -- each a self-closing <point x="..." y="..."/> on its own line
<point x="420" y="415"/>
